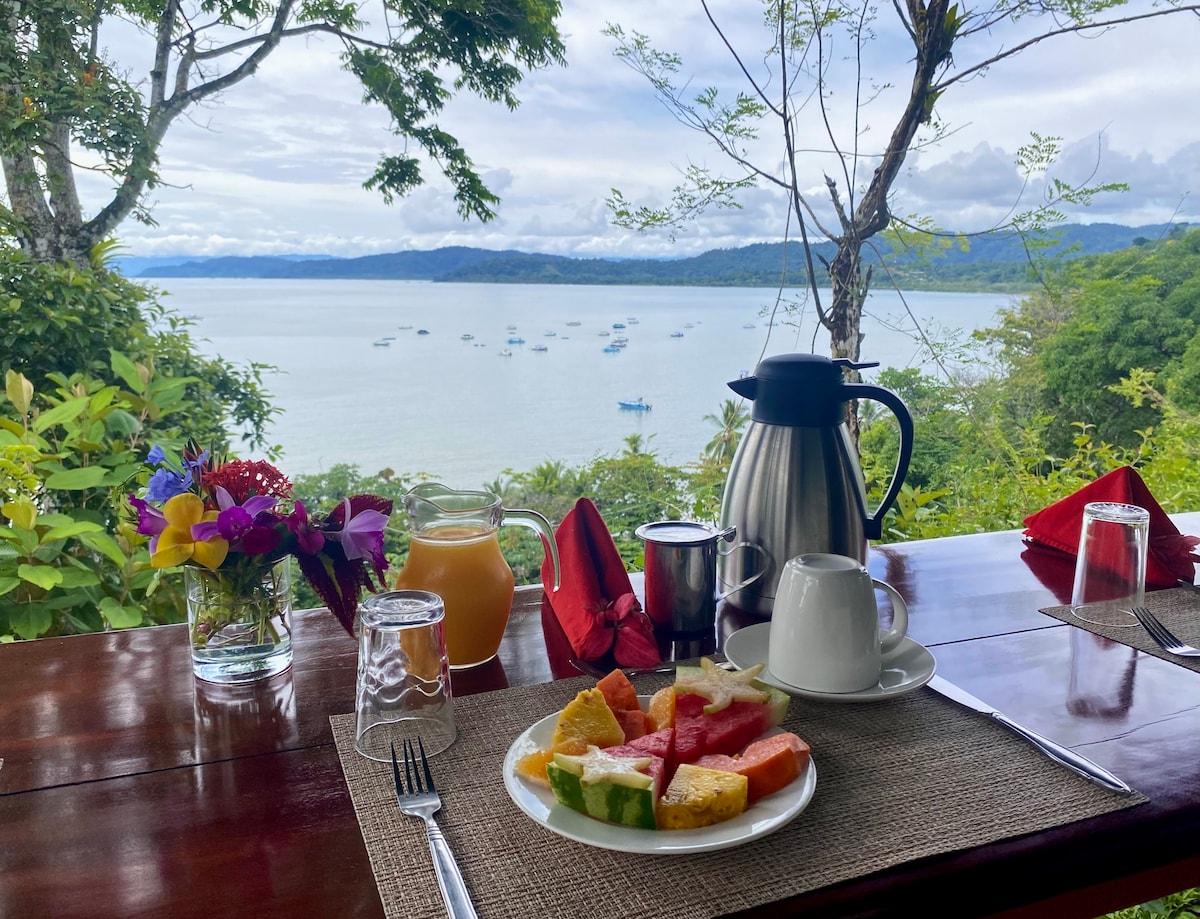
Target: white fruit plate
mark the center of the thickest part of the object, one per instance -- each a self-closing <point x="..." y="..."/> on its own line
<point x="763" y="817"/>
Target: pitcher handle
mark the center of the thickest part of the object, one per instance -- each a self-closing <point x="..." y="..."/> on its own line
<point x="746" y="582"/>
<point x="539" y="524"/>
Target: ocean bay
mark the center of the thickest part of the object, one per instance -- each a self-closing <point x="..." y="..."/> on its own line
<point x="456" y="408"/>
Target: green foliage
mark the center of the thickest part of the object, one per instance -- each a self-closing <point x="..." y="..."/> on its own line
<point x="60" y="318"/>
<point x="1182" y="905"/>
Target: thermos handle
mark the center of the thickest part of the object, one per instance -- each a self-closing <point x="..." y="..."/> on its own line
<point x="873" y="523"/>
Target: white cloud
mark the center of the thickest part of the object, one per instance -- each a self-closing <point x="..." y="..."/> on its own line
<point x="277" y="165"/>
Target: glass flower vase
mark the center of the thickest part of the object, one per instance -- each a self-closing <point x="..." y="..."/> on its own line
<point x="239" y="621"/>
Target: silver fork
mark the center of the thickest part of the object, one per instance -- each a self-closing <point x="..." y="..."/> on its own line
<point x="421" y="799"/>
<point x="1162" y="635"/>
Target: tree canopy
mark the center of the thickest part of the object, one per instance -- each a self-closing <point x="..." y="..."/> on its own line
<point x="59" y="88"/>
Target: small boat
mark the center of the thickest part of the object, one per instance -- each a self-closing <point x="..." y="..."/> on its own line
<point x="539" y="348"/>
<point x="632" y="320"/>
<point x="748" y="325"/>
<point x="382" y="343"/>
<point x="388" y="338"/>
<point x="505" y="353"/>
<point x="611" y="349"/>
<point x="618" y="325"/>
<point x="677" y="335"/>
<point x="515" y="341"/>
<point x="605" y="333"/>
<point x="635" y="405"/>
<point x="466" y="336"/>
<point x="574" y="322"/>
<point x="422" y="331"/>
<point x="550" y="333"/>
<point x="405" y="327"/>
<point x="688" y="325"/>
<point x="510" y="328"/>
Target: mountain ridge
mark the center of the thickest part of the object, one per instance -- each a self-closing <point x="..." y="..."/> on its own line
<point x="756" y="264"/>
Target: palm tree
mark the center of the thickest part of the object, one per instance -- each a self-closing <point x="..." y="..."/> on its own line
<point x="731" y="421"/>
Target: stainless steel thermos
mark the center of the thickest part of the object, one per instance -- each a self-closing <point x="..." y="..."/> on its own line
<point x="795" y="484"/>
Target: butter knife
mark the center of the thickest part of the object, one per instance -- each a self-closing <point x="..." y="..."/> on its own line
<point x="1060" y="754"/>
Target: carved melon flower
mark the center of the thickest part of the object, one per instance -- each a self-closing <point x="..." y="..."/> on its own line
<point x="721" y="687"/>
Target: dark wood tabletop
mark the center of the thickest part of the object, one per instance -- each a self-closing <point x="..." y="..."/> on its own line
<point x="128" y="788"/>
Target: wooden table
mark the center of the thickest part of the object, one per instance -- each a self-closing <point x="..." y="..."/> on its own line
<point x="128" y="788"/>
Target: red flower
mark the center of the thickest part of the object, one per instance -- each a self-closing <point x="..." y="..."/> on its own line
<point x="245" y="478"/>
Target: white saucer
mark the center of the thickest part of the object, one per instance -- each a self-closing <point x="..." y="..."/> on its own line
<point x="909" y="666"/>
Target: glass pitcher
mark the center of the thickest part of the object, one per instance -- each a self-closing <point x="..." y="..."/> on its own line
<point x="454" y="552"/>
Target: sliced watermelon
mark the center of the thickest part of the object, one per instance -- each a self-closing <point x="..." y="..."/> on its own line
<point x="660" y="745"/>
<point x="634" y="722"/>
<point x="726" y="731"/>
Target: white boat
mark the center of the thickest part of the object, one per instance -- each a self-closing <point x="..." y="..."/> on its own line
<point x="677" y="335"/>
<point x="505" y="353"/>
<point x="382" y="343"/>
<point x="539" y="348"/>
<point x="467" y="336"/>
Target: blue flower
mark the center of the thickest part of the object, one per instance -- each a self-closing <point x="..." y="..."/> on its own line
<point x="156" y="455"/>
<point x="166" y="484"/>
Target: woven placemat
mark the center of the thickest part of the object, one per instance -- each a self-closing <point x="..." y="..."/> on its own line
<point x="896" y="781"/>
<point x="1179" y="610"/>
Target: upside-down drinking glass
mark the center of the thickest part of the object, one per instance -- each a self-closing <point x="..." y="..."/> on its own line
<point x="1110" y="569"/>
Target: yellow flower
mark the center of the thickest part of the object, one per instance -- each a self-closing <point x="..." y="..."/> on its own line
<point x="175" y="543"/>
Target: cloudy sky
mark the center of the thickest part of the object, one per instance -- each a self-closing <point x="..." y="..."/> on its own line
<point x="277" y="165"/>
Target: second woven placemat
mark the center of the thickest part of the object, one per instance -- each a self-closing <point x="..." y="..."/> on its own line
<point x="1179" y="610"/>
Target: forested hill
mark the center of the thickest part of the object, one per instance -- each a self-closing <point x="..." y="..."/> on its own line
<point x="997" y="261"/>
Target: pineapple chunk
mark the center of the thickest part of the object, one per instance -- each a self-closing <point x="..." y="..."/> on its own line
<point x="587" y="719"/>
<point x="700" y="797"/>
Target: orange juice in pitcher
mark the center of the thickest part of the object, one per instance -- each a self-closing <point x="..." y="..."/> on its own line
<point x="455" y="554"/>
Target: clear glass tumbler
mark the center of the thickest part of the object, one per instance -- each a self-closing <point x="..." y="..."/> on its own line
<point x="403" y="689"/>
<point x="1110" y="569"/>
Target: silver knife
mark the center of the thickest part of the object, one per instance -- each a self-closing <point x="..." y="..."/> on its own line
<point x="1060" y="754"/>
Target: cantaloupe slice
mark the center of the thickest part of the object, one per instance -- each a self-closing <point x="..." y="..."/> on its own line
<point x="768" y="764"/>
<point x="662" y="709"/>
<point x="619" y="692"/>
<point x="587" y="719"/>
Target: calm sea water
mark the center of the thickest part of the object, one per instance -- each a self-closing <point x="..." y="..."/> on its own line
<point x="459" y="410"/>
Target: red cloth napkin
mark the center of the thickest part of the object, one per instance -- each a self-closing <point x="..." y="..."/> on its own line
<point x="1171" y="555"/>
<point x="595" y="603"/>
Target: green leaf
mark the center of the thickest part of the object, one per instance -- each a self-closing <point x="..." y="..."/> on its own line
<point x="121" y="423"/>
<point x="29" y="620"/>
<point x="106" y="546"/>
<point x="19" y="390"/>
<point x="74" y="578"/>
<point x="127" y="370"/>
<point x="74" y="528"/>
<point x="8" y="584"/>
<point x="43" y="576"/>
<point x="67" y="411"/>
<point x="118" y="616"/>
<point x="77" y="479"/>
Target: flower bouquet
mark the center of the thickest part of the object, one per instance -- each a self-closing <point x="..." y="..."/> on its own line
<point x="234" y="525"/>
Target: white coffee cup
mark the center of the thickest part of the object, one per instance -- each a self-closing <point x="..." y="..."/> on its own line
<point x="825" y="634"/>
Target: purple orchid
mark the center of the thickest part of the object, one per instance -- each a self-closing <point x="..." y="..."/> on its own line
<point x="362" y="534"/>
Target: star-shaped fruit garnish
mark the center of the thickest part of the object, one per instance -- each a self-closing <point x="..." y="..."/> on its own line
<point x="720" y="687"/>
<point x="600" y="766"/>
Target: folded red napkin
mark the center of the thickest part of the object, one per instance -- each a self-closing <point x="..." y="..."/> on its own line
<point x="595" y="603"/>
<point x="1171" y="555"/>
